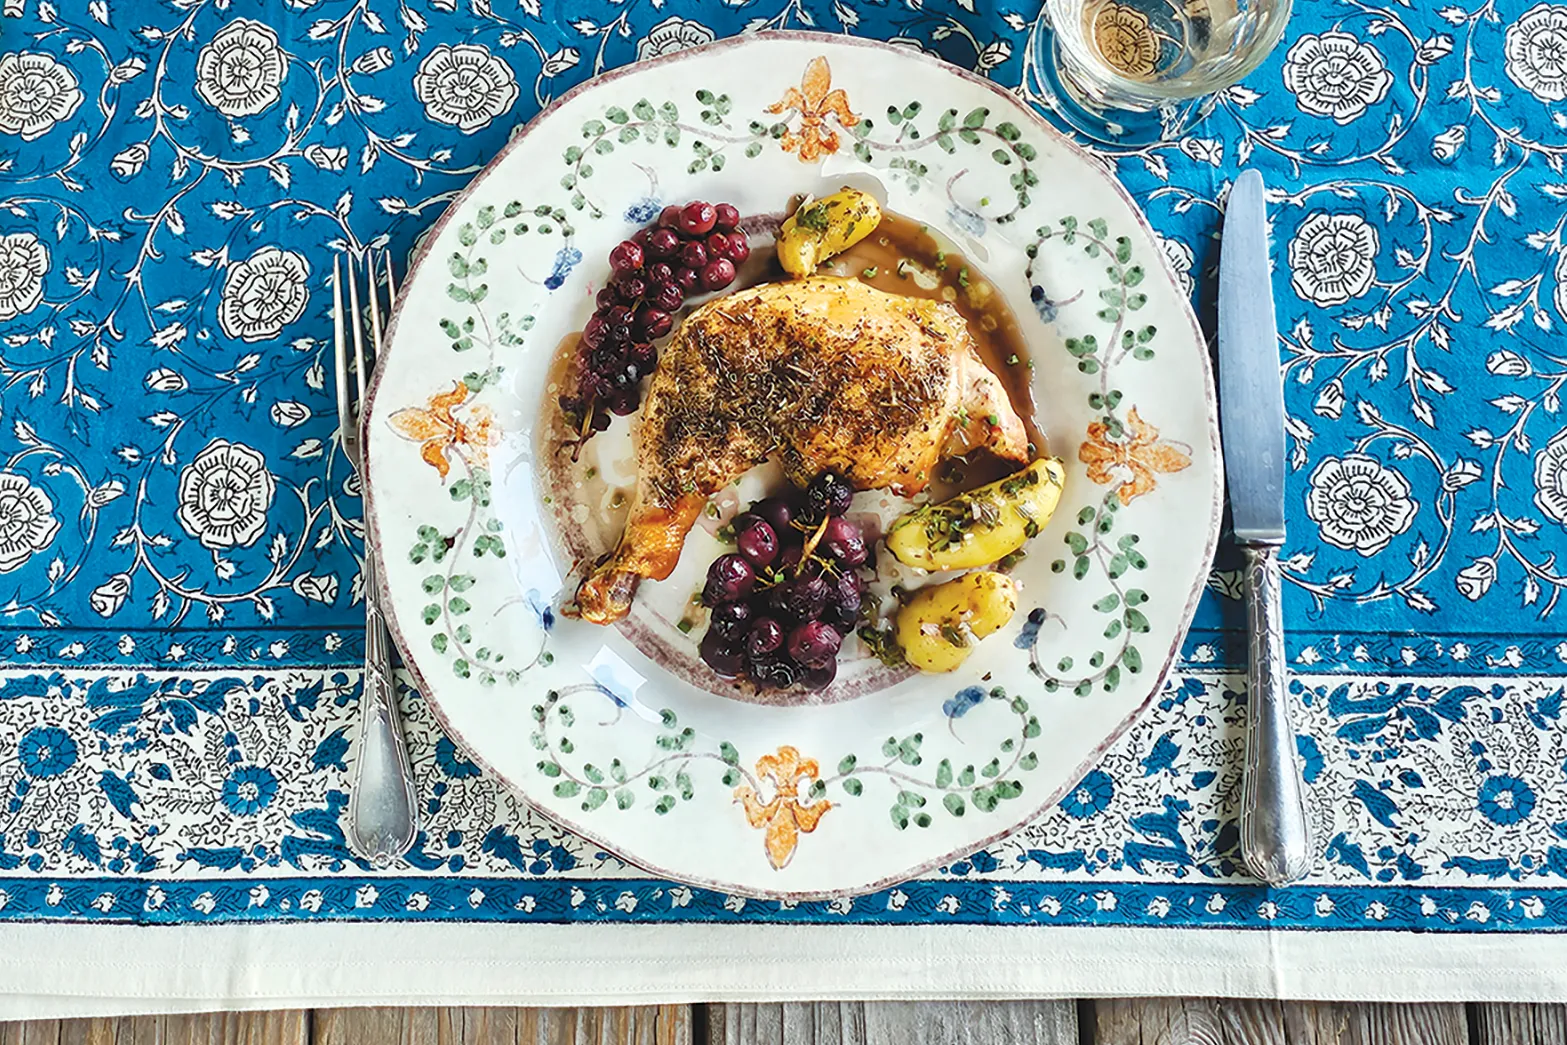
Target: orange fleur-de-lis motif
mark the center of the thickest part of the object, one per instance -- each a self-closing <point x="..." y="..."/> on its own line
<point x="1132" y="459"/>
<point x="439" y="429"/>
<point x="817" y="102"/>
<point x="783" y="816"/>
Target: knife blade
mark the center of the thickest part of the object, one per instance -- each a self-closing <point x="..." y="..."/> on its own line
<point x="1275" y="836"/>
<point x="1251" y="387"/>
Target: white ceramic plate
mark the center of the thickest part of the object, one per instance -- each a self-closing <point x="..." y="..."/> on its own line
<point x="619" y="733"/>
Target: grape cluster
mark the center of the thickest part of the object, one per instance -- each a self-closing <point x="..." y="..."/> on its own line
<point x="784" y="600"/>
<point x="689" y="250"/>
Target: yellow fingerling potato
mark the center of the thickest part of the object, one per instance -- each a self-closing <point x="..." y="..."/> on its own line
<point x="982" y="526"/>
<point x="824" y="227"/>
<point x="940" y="625"/>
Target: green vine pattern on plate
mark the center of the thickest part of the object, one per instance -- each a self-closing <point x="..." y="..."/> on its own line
<point x="1093" y="547"/>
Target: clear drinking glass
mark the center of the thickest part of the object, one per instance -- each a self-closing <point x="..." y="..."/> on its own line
<point x="1128" y="72"/>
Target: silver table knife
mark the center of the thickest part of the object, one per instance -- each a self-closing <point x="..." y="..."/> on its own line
<point x="1275" y="840"/>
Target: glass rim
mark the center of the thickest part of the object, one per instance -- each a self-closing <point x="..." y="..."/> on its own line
<point x="1258" y="53"/>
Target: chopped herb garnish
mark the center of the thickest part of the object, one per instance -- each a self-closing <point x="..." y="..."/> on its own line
<point x="1012" y="359"/>
<point x="882" y="646"/>
<point x="963" y="277"/>
<point x="726" y="534"/>
<point x="685" y="625"/>
<point x="984" y="201"/>
<point x="548" y="499"/>
<point x="1011" y="559"/>
<point x="963" y="416"/>
<point x="592" y="472"/>
<point x="992" y="420"/>
<point x="941" y="260"/>
<point x="955" y="637"/>
<point x="870" y="273"/>
<point x="813" y="217"/>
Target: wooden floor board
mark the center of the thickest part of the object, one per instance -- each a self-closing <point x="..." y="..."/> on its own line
<point x="1208" y="1021"/>
<point x="638" y="1025"/>
<point x="895" y="1023"/>
<point x="290" y="1027"/>
<point x="1494" y="1024"/>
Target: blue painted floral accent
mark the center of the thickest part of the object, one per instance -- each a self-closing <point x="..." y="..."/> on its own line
<point x="249" y="789"/>
<point x="1030" y="631"/>
<point x="962" y="702"/>
<point x="963" y="218"/>
<point x="566" y="259"/>
<point x="1505" y="799"/>
<point x="1090" y="797"/>
<point x="46" y="752"/>
<point x="644" y="210"/>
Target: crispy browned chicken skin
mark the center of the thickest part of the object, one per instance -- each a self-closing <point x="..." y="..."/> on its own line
<point x="820" y="374"/>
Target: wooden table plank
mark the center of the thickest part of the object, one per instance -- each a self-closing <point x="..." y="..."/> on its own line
<point x="228" y="1028"/>
<point x="1494" y="1024"/>
<point x="638" y="1025"/>
<point x="1208" y="1021"/>
<point x="894" y="1023"/>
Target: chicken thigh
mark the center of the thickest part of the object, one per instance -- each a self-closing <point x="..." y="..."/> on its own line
<point x="820" y="374"/>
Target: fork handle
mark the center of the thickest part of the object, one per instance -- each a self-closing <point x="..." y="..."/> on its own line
<point x="382" y="801"/>
<point x="1275" y="839"/>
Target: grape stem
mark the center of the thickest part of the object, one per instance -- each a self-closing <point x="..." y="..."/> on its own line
<point x="810" y="545"/>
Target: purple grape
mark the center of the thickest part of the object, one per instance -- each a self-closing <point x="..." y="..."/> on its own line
<point x="729" y="579"/>
<point x="631" y="288"/>
<point x="789" y="558"/>
<point x="827" y="494"/>
<point x="666" y="294"/>
<point x="717" y="245"/>
<point x="661" y="272"/>
<point x="606" y="298"/>
<point x="687" y="279"/>
<point x="725" y="216"/>
<point x="661" y="243"/>
<point x="652" y="323"/>
<point x="766" y="635"/>
<point x="844" y="542"/>
<point x="627" y="257"/>
<point x="731" y="621"/>
<point x="805" y="597"/>
<point x="739" y="247"/>
<point x="697" y="218"/>
<point x="843" y="603"/>
<point x="593" y="331"/>
<point x="821" y="676"/>
<point x="625" y="401"/>
<point x="755" y="539"/>
<point x="600" y="420"/>
<point x="722" y="657"/>
<point x="813" y="644"/>
<point x="777" y="513"/>
<point x="773" y="672"/>
<point x="669" y="217"/>
<point x="606" y="359"/>
<point x="718" y="274"/>
<point x="693" y="256"/>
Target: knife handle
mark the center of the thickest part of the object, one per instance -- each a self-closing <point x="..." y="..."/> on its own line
<point x="1275" y="838"/>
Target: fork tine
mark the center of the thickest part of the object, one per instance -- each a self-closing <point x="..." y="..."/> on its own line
<point x="391" y="279"/>
<point x="345" y="418"/>
<point x="375" y="309"/>
<point x="358" y="330"/>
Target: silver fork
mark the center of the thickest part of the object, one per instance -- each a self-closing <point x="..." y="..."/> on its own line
<point x="381" y="799"/>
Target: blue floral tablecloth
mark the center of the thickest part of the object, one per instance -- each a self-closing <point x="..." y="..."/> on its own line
<point x="180" y="619"/>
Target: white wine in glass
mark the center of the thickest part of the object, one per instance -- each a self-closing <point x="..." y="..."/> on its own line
<point x="1128" y="72"/>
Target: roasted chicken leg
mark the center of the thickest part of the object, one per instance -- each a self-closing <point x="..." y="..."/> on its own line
<point x="819" y="374"/>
